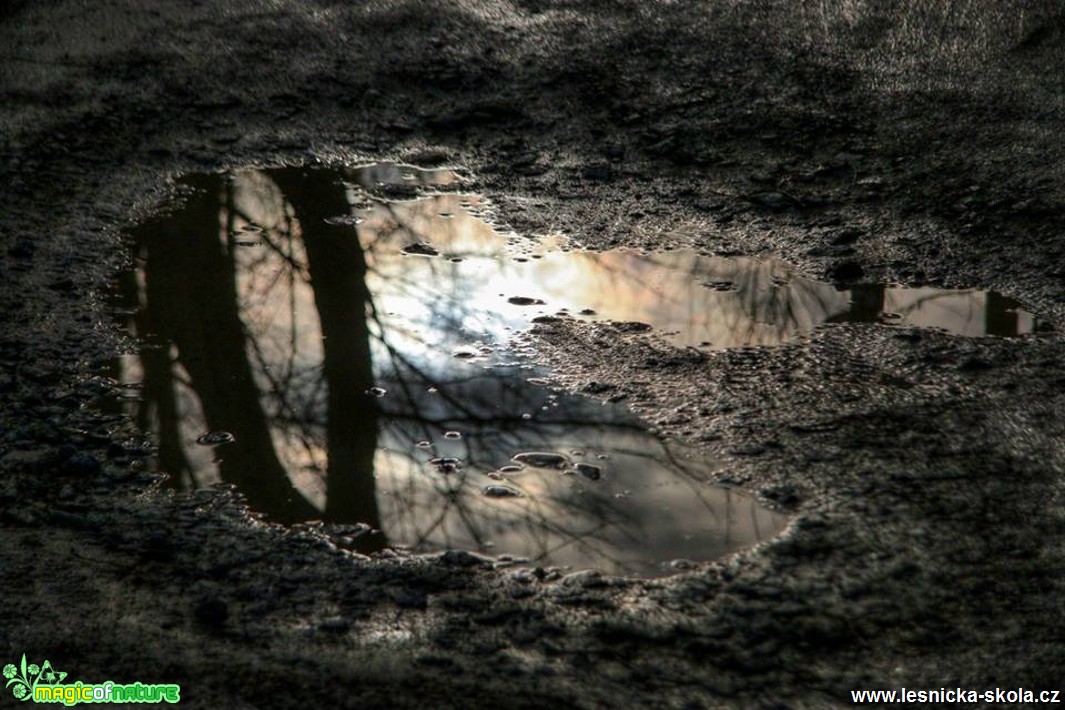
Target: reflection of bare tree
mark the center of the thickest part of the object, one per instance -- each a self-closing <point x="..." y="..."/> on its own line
<point x="159" y="396"/>
<point x="326" y="314"/>
<point x="281" y="343"/>
<point x="191" y="301"/>
<point x="563" y="517"/>
<point x="733" y="302"/>
<point x="337" y="269"/>
<point x="867" y="304"/>
<point x="1000" y="315"/>
<point x="969" y="312"/>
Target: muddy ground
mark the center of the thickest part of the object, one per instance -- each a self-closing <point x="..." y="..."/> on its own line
<point x="917" y="142"/>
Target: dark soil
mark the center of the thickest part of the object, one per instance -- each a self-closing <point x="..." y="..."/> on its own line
<point x="917" y="142"/>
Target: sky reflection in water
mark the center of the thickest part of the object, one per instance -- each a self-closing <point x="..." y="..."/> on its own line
<point x="353" y="336"/>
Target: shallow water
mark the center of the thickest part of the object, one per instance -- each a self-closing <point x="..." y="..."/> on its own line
<point x="353" y="337"/>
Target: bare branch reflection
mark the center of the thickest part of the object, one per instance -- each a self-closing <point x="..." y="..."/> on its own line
<point x="364" y="374"/>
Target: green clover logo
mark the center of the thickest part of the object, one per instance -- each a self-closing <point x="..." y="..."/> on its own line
<point x="24" y="678"/>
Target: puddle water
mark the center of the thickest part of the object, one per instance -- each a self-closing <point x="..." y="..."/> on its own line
<point x="339" y="345"/>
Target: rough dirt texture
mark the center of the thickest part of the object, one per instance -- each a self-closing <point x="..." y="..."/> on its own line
<point x="910" y="141"/>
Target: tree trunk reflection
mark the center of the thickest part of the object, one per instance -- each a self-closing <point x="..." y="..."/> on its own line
<point x="338" y="270"/>
<point x="191" y="301"/>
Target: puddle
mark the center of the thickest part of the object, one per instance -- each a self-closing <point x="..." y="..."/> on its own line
<point x="339" y="345"/>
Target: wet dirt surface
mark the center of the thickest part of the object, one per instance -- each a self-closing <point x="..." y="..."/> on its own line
<point x="922" y="469"/>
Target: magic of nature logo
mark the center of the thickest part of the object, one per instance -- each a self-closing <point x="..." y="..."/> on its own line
<point x="44" y="684"/>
